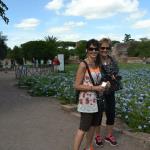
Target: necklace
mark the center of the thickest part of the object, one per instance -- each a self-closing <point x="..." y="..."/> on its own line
<point x="91" y="64"/>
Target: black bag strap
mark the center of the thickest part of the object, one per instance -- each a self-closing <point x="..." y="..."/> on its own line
<point x="87" y="67"/>
<point x="97" y="93"/>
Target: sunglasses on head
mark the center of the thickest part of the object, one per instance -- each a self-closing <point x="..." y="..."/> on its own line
<point x="107" y="48"/>
<point x="93" y="49"/>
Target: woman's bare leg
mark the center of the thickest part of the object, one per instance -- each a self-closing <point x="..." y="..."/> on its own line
<point x="78" y="139"/>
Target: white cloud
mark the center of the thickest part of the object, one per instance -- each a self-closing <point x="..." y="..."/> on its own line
<point x="66" y="28"/>
<point x="139" y="36"/>
<point x="71" y="37"/>
<point x="59" y="30"/>
<point x="73" y="24"/>
<point x="28" y="23"/>
<point x="108" y="27"/>
<point x="94" y="9"/>
<point x="136" y="15"/>
<point x="55" y="5"/>
<point x="18" y="38"/>
<point x="66" y="31"/>
<point x="142" y="24"/>
<point x="112" y="36"/>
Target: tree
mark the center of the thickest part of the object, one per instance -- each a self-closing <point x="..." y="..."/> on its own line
<point x="17" y="54"/>
<point x="39" y="50"/>
<point x="52" y="45"/>
<point x="3" y="8"/>
<point x="51" y="39"/>
<point x="127" y="38"/>
<point x="115" y="42"/>
<point x="139" y="49"/>
<point x="81" y="49"/>
<point x="144" y="39"/>
<point x="3" y="46"/>
<point x="67" y="48"/>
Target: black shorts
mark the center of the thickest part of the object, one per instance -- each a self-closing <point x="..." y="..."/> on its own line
<point x="89" y="119"/>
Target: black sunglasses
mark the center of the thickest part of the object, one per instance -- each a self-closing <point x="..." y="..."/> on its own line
<point x="92" y="49"/>
<point x="107" y="48"/>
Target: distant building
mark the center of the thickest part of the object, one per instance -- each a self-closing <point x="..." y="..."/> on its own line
<point x="119" y="51"/>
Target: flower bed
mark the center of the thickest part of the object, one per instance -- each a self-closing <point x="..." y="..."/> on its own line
<point x="132" y="103"/>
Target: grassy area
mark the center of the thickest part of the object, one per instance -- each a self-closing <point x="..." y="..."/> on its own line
<point x="133" y="66"/>
<point x="73" y="67"/>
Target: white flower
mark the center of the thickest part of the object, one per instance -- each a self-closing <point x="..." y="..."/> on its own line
<point x="139" y="127"/>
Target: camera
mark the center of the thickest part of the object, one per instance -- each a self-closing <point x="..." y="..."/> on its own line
<point x="114" y="79"/>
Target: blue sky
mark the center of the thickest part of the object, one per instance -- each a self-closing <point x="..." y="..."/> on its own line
<point x="73" y="20"/>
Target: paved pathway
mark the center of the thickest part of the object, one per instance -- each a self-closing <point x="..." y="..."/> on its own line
<point x="34" y="123"/>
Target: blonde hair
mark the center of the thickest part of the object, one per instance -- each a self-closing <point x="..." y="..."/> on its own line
<point x="105" y="40"/>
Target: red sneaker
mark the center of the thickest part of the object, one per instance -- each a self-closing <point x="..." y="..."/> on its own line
<point x="99" y="141"/>
<point x="111" y="139"/>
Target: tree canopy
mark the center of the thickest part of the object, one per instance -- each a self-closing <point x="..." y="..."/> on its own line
<point x="127" y="38"/>
<point x="39" y="50"/>
<point x="3" y="46"/>
<point x="81" y="49"/>
<point x="139" y="49"/>
<point x="3" y="8"/>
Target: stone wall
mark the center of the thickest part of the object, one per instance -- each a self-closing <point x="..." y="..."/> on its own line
<point x="135" y="60"/>
<point x="119" y="52"/>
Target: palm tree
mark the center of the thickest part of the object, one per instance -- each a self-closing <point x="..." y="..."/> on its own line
<point x="51" y="39"/>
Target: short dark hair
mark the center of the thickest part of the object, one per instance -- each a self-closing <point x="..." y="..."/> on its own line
<point x="93" y="42"/>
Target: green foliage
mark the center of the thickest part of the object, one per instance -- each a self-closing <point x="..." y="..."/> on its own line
<point x="115" y="42"/>
<point x="133" y="66"/>
<point x="132" y="103"/>
<point x="139" y="49"/>
<point x="39" y="49"/>
<point x="3" y="8"/>
<point x="81" y="49"/>
<point x="52" y="85"/>
<point x="51" y="39"/>
<point x="71" y="67"/>
<point x="17" y="54"/>
<point x="64" y="46"/>
<point x="127" y="38"/>
<point x="65" y="52"/>
<point x="45" y="50"/>
<point x="3" y="46"/>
